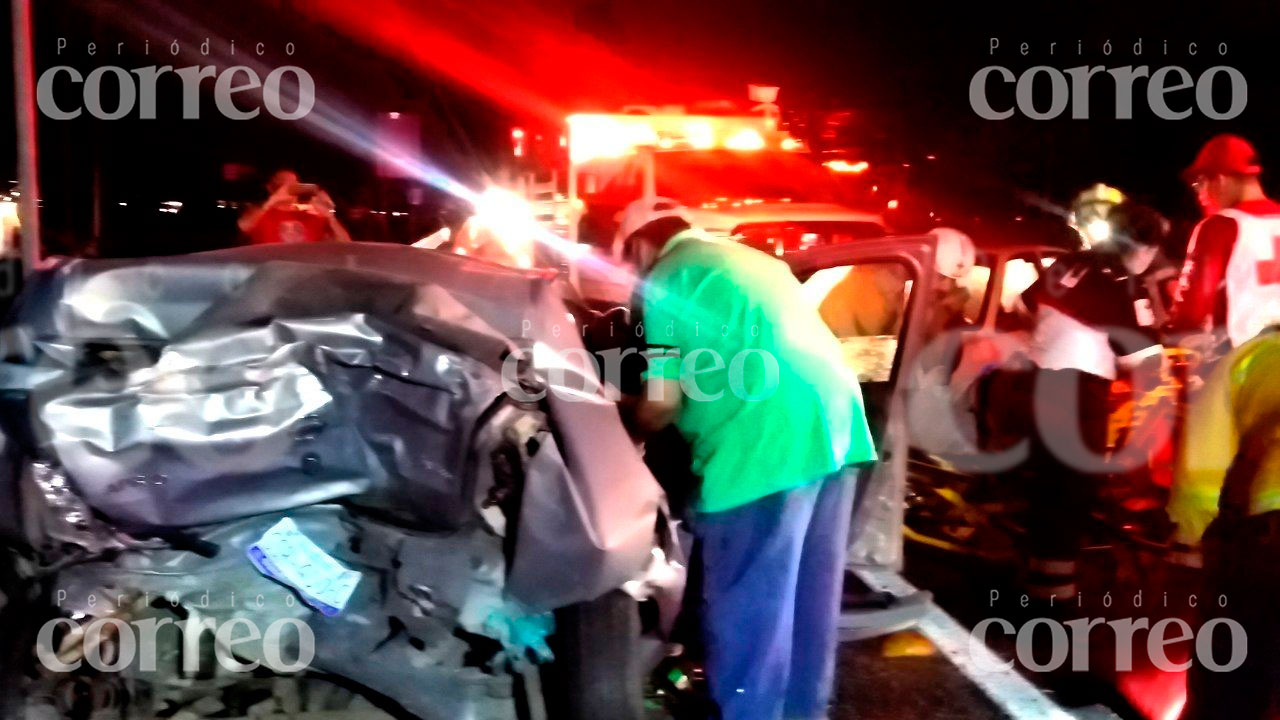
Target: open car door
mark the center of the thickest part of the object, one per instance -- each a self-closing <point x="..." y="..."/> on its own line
<point x="875" y="294"/>
<point x="877" y="297"/>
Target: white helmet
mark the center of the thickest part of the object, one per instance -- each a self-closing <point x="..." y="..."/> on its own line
<point x="955" y="255"/>
<point x="640" y="213"/>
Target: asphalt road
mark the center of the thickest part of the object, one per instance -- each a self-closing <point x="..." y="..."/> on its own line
<point x="1112" y="579"/>
<point x="872" y="687"/>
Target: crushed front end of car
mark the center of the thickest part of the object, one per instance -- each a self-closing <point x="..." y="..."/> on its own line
<point x="389" y="408"/>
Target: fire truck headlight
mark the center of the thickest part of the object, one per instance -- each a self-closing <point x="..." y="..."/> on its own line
<point x="8" y="223"/>
<point x="745" y="139"/>
<point x="9" y="213"/>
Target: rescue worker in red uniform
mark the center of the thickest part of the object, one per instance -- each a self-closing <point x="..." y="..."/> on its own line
<point x="1226" y="492"/>
<point x="294" y="212"/>
<point x="1216" y="295"/>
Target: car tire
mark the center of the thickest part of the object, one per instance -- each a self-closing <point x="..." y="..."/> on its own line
<point x="20" y="620"/>
<point x="597" y="673"/>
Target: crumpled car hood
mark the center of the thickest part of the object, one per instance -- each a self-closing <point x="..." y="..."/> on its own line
<point x="265" y="378"/>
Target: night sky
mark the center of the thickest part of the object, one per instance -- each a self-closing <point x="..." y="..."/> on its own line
<point x="470" y="70"/>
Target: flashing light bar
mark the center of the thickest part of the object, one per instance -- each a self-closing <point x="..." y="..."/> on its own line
<point x="517" y="142"/>
<point x="745" y="139"/>
<point x="700" y="135"/>
<point x="844" y="166"/>
<point x="609" y="136"/>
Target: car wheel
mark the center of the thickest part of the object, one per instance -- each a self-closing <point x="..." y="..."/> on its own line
<point x="597" y="673"/>
<point x="20" y="619"/>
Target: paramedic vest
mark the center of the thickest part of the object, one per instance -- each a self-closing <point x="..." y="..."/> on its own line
<point x="1253" y="276"/>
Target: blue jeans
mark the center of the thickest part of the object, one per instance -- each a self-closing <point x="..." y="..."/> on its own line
<point x="773" y="579"/>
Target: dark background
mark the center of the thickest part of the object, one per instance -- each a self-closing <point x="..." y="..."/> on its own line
<point x="470" y="70"/>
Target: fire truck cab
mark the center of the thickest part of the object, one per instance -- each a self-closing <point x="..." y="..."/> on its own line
<point x="739" y="176"/>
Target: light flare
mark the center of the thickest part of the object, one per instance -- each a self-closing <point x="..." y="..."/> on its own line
<point x="844" y="166"/>
<point x="745" y="139"/>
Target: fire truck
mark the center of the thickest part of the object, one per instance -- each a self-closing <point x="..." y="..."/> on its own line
<point x="739" y="174"/>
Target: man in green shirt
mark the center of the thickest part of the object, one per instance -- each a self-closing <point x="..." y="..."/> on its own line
<point x="747" y="371"/>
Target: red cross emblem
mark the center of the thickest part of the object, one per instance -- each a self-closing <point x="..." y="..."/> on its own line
<point x="1269" y="270"/>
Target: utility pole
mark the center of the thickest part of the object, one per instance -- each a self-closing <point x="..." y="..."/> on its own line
<point x="24" y="83"/>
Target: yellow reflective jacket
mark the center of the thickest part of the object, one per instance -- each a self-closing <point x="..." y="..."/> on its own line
<point x="1240" y="399"/>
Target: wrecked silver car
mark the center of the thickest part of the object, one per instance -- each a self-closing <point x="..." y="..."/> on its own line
<point x="340" y="479"/>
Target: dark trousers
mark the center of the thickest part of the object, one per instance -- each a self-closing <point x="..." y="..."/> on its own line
<point x="1063" y="414"/>
<point x="1242" y="566"/>
<point x="773" y="577"/>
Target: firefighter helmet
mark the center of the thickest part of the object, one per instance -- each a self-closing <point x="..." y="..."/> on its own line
<point x="1090" y="212"/>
